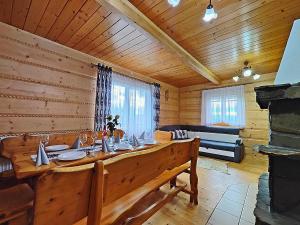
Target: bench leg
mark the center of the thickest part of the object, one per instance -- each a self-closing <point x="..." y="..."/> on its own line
<point x="194" y="182"/>
<point x="194" y="188"/>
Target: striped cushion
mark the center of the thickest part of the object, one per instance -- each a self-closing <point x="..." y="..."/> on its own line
<point x="179" y="134"/>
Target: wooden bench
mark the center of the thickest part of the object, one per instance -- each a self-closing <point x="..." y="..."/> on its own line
<point x="133" y="180"/>
<point x="125" y="189"/>
<point x="29" y="143"/>
<point x="15" y="205"/>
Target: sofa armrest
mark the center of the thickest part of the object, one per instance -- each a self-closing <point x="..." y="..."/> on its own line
<point x="239" y="141"/>
<point x="163" y="136"/>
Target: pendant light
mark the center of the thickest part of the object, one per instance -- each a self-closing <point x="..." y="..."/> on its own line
<point x="246" y="72"/>
<point x="174" y="3"/>
<point x="210" y="13"/>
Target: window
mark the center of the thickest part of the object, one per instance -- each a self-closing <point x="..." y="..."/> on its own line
<point x="225" y="105"/>
<point x="133" y="101"/>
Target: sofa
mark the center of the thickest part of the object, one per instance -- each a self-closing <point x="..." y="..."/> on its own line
<point x="217" y="142"/>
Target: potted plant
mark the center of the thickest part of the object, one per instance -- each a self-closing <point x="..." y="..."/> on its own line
<point x="112" y="123"/>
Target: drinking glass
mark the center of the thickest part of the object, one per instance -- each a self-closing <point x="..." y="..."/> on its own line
<point x="45" y="139"/>
<point x="83" y="139"/>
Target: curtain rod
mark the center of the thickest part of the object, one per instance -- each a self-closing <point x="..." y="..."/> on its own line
<point x="134" y="78"/>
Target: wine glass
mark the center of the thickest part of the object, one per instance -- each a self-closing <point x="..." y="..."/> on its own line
<point x="83" y="139"/>
<point x="44" y="139"/>
<point x="94" y="137"/>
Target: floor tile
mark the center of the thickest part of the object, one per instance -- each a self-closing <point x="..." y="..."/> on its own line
<point x="230" y="207"/>
<point x="244" y="222"/>
<point x="241" y="188"/>
<point x="250" y="200"/>
<point x="220" y="217"/>
<point x="235" y="196"/>
<point x="247" y="214"/>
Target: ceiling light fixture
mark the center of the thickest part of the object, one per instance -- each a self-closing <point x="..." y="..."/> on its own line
<point x="236" y="78"/>
<point x="256" y="77"/>
<point x="246" y="72"/>
<point x="210" y="13"/>
<point x="174" y="3"/>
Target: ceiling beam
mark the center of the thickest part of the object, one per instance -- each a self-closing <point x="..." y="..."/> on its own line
<point x="131" y="12"/>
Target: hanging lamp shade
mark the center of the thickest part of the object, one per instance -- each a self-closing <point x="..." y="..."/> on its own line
<point x="210" y="13"/>
<point x="174" y="3"/>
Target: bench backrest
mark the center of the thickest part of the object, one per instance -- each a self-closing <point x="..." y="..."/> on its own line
<point x="127" y="172"/>
<point x="64" y="195"/>
<point x="30" y="143"/>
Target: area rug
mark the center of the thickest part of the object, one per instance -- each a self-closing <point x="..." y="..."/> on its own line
<point x="213" y="164"/>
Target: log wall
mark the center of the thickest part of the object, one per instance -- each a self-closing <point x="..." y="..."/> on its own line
<point x="45" y="86"/>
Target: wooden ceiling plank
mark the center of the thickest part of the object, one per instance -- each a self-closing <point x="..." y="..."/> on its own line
<point x="129" y="47"/>
<point x="142" y="52"/>
<point x="114" y="29"/>
<point x="84" y="14"/>
<point x="158" y="10"/>
<point x="240" y="60"/>
<point x="192" y="24"/>
<point x="105" y="25"/>
<point x="68" y="13"/>
<point x="113" y="37"/>
<point x="48" y="19"/>
<point x="172" y="12"/>
<point x="19" y="12"/>
<point x="136" y="16"/>
<point x="36" y="11"/>
<point x="254" y="19"/>
<point x="108" y="47"/>
<point x="251" y="49"/>
<point x="147" y="5"/>
<point x="109" y="21"/>
<point x="96" y="19"/>
<point x="6" y="7"/>
<point x="239" y="43"/>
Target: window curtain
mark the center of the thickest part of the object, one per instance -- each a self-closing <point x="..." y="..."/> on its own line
<point x="133" y="100"/>
<point x="225" y="105"/>
<point x="156" y="105"/>
<point x="103" y="96"/>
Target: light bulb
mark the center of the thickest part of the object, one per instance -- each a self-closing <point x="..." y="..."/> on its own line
<point x="236" y="78"/>
<point x="174" y="3"/>
<point x="256" y="77"/>
<point x="247" y="72"/>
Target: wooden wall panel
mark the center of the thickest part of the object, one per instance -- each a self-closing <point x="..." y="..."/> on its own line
<point x="45" y="86"/>
<point x="257" y="125"/>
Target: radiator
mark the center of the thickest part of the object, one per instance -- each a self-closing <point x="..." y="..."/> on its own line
<point x="5" y="165"/>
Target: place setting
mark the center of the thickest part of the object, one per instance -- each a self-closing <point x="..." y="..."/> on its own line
<point x="63" y="152"/>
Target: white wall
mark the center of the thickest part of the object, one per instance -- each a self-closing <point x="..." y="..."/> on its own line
<point x="289" y="70"/>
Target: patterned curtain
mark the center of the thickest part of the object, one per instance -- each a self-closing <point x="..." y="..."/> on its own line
<point x="156" y="105"/>
<point x="103" y="96"/>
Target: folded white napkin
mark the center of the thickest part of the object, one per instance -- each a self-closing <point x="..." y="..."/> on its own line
<point x="105" y="146"/>
<point x="41" y="156"/>
<point x="76" y="144"/>
<point x="135" y="141"/>
<point x="142" y="137"/>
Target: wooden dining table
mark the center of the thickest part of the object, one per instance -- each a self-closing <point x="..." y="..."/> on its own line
<point x="24" y="166"/>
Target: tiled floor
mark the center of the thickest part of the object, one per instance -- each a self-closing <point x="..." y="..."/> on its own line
<point x="236" y="206"/>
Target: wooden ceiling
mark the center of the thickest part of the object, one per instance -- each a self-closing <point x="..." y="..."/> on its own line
<point x="253" y="30"/>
